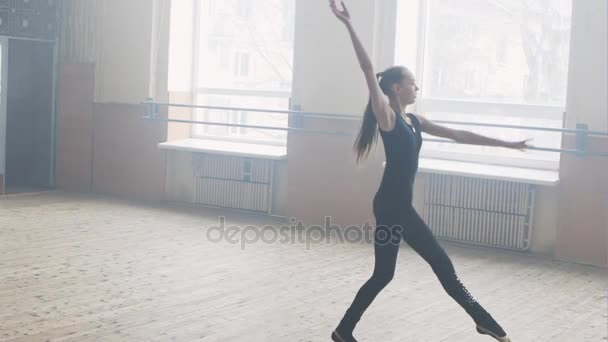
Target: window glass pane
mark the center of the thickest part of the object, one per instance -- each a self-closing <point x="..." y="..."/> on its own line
<point x="512" y="51"/>
<point x="247" y="48"/>
<point x="243" y="46"/>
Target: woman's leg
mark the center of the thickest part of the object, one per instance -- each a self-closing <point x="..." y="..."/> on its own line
<point x="418" y="235"/>
<point x="387" y="238"/>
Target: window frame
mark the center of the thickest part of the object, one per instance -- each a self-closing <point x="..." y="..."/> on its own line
<point x="494" y="109"/>
<point x="202" y="91"/>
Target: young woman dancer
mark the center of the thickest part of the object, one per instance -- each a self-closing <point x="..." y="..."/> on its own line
<point x="390" y="92"/>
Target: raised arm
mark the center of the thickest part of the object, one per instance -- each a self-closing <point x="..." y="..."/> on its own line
<point x="385" y="115"/>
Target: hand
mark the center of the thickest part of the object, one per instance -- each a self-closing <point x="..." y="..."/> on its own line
<point x="343" y="14"/>
<point x="519" y="145"/>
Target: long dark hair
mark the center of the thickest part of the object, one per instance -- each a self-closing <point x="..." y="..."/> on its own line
<point x="368" y="135"/>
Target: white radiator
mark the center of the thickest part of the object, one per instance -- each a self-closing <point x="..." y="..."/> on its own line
<point x="233" y="182"/>
<point x="480" y="211"/>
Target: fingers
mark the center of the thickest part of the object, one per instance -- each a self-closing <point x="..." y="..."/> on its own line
<point x="334" y="8"/>
<point x="345" y="8"/>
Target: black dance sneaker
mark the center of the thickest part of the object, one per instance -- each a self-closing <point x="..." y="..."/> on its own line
<point x="485" y="331"/>
<point x="336" y="337"/>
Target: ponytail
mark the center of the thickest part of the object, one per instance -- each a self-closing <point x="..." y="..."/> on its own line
<point x="368" y="135"/>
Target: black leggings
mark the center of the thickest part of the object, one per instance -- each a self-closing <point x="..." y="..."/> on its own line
<point x="408" y="225"/>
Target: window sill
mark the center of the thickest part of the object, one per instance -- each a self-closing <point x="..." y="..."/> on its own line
<point x="227" y="148"/>
<point x="497" y="172"/>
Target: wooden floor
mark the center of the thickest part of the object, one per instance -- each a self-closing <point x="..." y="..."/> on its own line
<point x="80" y="268"/>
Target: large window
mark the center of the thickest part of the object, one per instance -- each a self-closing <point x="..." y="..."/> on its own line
<point x="490" y="61"/>
<point x="243" y="58"/>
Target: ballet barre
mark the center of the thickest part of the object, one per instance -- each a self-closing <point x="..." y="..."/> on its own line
<point x="581" y="131"/>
